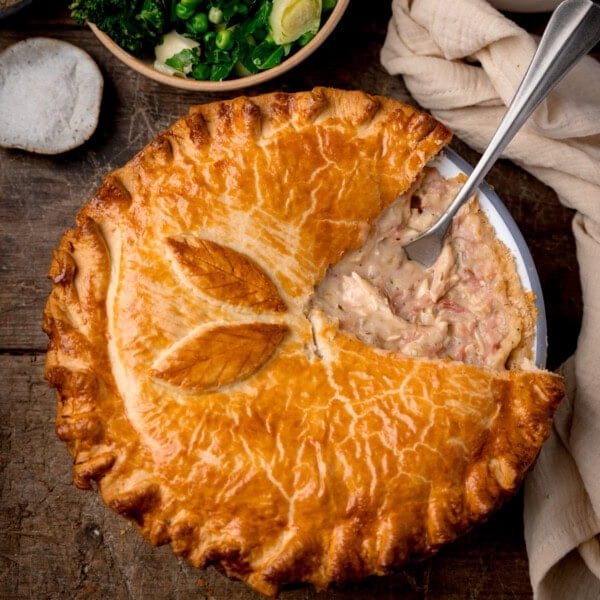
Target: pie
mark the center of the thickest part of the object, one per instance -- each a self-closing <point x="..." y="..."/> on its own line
<point x="216" y="398"/>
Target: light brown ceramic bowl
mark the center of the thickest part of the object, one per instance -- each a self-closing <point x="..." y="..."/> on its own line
<point x="145" y="66"/>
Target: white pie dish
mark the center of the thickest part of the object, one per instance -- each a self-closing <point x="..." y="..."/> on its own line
<point x="450" y="164"/>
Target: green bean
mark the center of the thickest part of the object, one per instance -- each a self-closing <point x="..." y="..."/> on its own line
<point x="224" y="39"/>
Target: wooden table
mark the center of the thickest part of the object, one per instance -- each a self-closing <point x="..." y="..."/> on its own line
<point x="59" y="542"/>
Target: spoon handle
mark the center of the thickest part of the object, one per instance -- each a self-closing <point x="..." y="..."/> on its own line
<point x="572" y="31"/>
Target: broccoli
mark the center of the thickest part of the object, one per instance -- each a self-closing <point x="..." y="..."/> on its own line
<point x="135" y="25"/>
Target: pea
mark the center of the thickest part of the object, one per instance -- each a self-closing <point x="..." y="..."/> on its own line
<point x="201" y="71"/>
<point x="190" y="3"/>
<point x="199" y="23"/>
<point x="183" y="12"/>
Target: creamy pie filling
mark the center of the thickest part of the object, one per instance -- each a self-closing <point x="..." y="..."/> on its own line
<point x="461" y="308"/>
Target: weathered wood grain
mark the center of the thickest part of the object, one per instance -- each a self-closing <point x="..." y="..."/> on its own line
<point x="62" y="543"/>
<point x="59" y="542"/>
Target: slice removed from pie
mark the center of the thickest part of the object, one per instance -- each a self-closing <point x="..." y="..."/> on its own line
<point x="229" y="403"/>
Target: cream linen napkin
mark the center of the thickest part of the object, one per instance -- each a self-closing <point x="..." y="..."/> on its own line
<point x="463" y="61"/>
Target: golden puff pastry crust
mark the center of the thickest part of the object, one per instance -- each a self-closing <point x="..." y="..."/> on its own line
<point x="219" y="413"/>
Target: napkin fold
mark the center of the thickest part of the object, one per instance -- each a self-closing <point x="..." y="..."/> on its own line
<point x="464" y="63"/>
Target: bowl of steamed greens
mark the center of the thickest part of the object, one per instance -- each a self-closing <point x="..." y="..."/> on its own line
<point x="210" y="45"/>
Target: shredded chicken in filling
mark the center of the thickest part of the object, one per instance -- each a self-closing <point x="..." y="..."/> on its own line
<point x="459" y="308"/>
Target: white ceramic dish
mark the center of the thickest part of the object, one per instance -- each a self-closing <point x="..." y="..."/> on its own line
<point x="450" y="164"/>
<point x="145" y="66"/>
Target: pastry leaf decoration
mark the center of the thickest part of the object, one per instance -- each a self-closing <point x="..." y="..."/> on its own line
<point x="225" y="274"/>
<point x="219" y="355"/>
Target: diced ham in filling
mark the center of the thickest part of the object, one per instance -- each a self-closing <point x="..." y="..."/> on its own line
<point x="459" y="308"/>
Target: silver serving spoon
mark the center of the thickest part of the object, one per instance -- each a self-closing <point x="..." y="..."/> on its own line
<point x="572" y="31"/>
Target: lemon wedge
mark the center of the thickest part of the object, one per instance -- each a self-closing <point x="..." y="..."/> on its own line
<point x="289" y="19"/>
